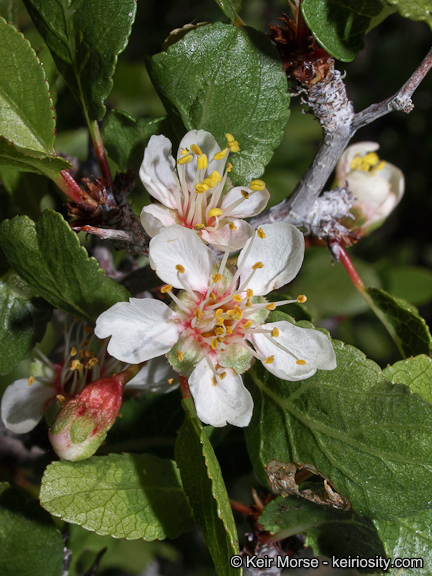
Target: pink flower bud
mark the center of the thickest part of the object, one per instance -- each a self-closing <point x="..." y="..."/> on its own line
<point x="82" y="424"/>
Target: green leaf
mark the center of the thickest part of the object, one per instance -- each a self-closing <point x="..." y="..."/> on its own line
<point x="414" y="9"/>
<point x="408" y="329"/>
<point x="416" y="373"/>
<point x="410" y="283"/>
<point x="125" y="137"/>
<point x="85" y="39"/>
<point x="230" y="8"/>
<point x="339" y="25"/>
<point x="122" y="495"/>
<point x="330" y="532"/>
<point x="328" y="287"/>
<point x="24" y="317"/>
<point x="205" y="488"/>
<point x="233" y="83"/>
<point x="49" y="257"/>
<point x="370" y="438"/>
<point x="27" y="123"/>
<point x="30" y="543"/>
<point x="409" y="538"/>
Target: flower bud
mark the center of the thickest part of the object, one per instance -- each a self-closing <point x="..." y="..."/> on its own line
<point x="378" y="186"/>
<point x="82" y="424"/>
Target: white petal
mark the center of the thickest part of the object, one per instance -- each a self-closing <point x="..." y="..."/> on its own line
<point x="217" y="401"/>
<point x="156" y="171"/>
<point x="22" y="406"/>
<point x="154" y="217"/>
<point x="281" y="252"/>
<point x="175" y="246"/>
<point x="141" y="329"/>
<point x="220" y="238"/>
<point x="208" y="145"/>
<point x="155" y="376"/>
<point x="302" y="343"/>
<point x="251" y="206"/>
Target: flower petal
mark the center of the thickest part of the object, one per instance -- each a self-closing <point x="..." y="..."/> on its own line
<point x="344" y="164"/>
<point x="22" y="406"/>
<point x="155" y="376"/>
<point x="154" y="217"/>
<point x="178" y="246"/>
<point x="220" y="238"/>
<point x="208" y="145"/>
<point x="218" y="401"/>
<point x="251" y="206"/>
<point x="305" y="344"/>
<point x="140" y="329"/>
<point x="281" y="250"/>
<point x="156" y="171"/>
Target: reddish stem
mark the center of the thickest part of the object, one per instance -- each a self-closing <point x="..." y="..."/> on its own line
<point x="100" y="152"/>
<point x="242" y="508"/>
<point x="70" y="187"/>
<point x="340" y="252"/>
<point x="184" y="387"/>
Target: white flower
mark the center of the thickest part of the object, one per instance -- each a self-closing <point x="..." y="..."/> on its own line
<point x="189" y="191"/>
<point x="215" y="318"/>
<point x="378" y="186"/>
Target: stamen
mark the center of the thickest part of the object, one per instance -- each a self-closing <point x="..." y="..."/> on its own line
<point x="214" y="344"/>
<point x="199" y="226"/>
<point x="218" y="312"/>
<point x="219" y="331"/>
<point x="237" y="298"/>
<point x="73" y="351"/>
<point x="61" y="398"/>
<point x="249" y="293"/>
<point x="275" y="332"/>
<point x="301" y="362"/>
<point x="271" y="306"/>
<point x="202" y="162"/>
<point x="257" y="185"/>
<point x="247" y="324"/>
<point x="166" y="288"/>
<point x="229" y="167"/>
<point x="217" y="278"/>
<point x="91" y="363"/>
<point x="198" y="313"/>
<point x="232" y="226"/>
<point x="222" y="375"/>
<point x="180" y="356"/>
<point x="216" y="177"/>
<point x="185" y="159"/>
<point x="196" y="149"/>
<point x="220" y="155"/>
<point x="257" y="265"/>
<point x="260" y="233"/>
<point x="245" y="194"/>
<point x="180" y="268"/>
<point x="301" y="299"/>
<point x="31" y="380"/>
<point x="170" y="381"/>
<point x="215" y="212"/>
<point x="229" y="137"/>
<point x="200" y="188"/>
<point x="270" y="360"/>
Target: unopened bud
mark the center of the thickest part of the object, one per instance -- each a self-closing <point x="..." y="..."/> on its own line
<point x="83" y="422"/>
<point x="377" y="186"/>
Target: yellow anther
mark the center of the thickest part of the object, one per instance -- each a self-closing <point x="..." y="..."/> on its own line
<point x="229" y="137"/>
<point x="271" y="306"/>
<point x="73" y="351"/>
<point x="202" y="162"/>
<point x="200" y="188"/>
<point x="245" y="194"/>
<point x="199" y="226"/>
<point x="238" y="311"/>
<point x="237" y="298"/>
<point x="220" y="155"/>
<point x="247" y="324"/>
<point x="234" y="146"/>
<point x="170" y="381"/>
<point x="220" y="322"/>
<point x="261" y="233"/>
<point x="218" y="313"/>
<point x="257" y="185"/>
<point x="257" y="265"/>
<point x="88" y="329"/>
<point x="61" y="398"/>
<point x="269" y="360"/>
<point x="222" y="375"/>
<point x="301" y="362"/>
<point x="196" y="149"/>
<point x="230" y="312"/>
<point x="216" y="177"/>
<point x="215" y="212"/>
<point x="209" y="182"/>
<point x="92" y="362"/>
<point x="301" y="299"/>
<point x="232" y="226"/>
<point x="198" y="313"/>
<point x="180" y="356"/>
<point x="214" y="344"/>
<point x="216" y="278"/>
<point x="229" y="167"/>
<point x="228" y="330"/>
<point x="30" y="381"/>
<point x="87" y="354"/>
<point x="76" y="365"/>
<point x="275" y="332"/>
<point x="212" y="296"/>
<point x="180" y="268"/>
<point x="185" y="159"/>
<point x="380" y="166"/>
<point x="248" y="303"/>
<point x="166" y="288"/>
<point x="219" y="331"/>
<point x="184" y="151"/>
<point x="249" y="293"/>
